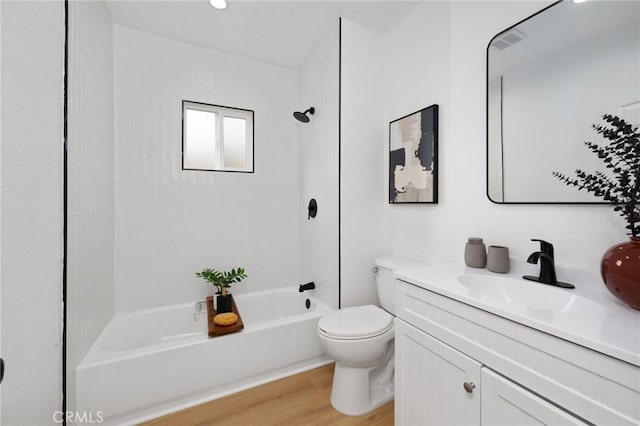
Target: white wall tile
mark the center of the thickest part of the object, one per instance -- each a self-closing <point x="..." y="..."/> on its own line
<point x="318" y="141"/>
<point x="171" y="223"/>
<point x="90" y="285"/>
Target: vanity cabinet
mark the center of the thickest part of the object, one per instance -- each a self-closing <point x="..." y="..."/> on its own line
<point x="459" y="365"/>
<point x="429" y="381"/>
<point x="437" y="385"/>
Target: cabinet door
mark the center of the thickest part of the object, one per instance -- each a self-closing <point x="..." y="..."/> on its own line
<point x="505" y="403"/>
<point x="430" y="381"/>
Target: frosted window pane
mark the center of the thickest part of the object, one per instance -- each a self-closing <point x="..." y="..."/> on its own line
<point x="216" y="138"/>
<point x="235" y="142"/>
<point x="200" y="140"/>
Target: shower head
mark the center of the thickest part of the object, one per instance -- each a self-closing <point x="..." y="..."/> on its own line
<point x="302" y="116"/>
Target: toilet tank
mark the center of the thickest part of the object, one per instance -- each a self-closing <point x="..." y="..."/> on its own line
<point x="385" y="281"/>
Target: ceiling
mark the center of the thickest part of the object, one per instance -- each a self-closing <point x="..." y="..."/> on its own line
<point x="279" y="32"/>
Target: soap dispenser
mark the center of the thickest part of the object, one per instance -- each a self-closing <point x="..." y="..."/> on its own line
<point x="475" y="253"/>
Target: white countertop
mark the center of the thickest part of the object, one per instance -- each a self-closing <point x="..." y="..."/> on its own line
<point x="587" y="315"/>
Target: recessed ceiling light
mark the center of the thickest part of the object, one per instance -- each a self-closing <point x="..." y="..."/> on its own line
<point x="218" y="4"/>
<point x="579" y="1"/>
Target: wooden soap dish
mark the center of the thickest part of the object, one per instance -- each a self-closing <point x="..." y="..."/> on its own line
<point x="216" y="330"/>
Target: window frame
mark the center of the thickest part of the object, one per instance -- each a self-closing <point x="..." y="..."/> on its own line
<point x="222" y="111"/>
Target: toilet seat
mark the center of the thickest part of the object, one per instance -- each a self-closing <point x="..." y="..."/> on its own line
<point x="360" y="322"/>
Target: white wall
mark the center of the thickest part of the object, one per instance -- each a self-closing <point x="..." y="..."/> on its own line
<point x="170" y="223"/>
<point x="318" y="141"/>
<point x="32" y="35"/>
<point x="437" y="55"/>
<point x="416" y="74"/>
<point x="362" y="185"/>
<point x="90" y="289"/>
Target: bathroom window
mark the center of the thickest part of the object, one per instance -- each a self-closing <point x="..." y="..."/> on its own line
<point x="216" y="138"/>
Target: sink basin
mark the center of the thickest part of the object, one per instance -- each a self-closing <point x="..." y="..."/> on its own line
<point x="586" y="315"/>
<point x="528" y="295"/>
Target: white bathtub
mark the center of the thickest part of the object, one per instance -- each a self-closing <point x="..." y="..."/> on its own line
<point x="151" y="362"/>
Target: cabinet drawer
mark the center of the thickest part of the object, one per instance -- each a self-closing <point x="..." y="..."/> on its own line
<point x="593" y="386"/>
<point x="504" y="403"/>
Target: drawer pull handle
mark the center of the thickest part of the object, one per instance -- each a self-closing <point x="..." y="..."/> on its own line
<point x="469" y="386"/>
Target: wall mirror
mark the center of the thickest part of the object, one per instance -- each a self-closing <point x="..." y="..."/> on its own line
<point x="549" y="78"/>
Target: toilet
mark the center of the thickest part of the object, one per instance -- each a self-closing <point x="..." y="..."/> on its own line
<point x="360" y="340"/>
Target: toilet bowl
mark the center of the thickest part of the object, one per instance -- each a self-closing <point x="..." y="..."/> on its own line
<point x="360" y="340"/>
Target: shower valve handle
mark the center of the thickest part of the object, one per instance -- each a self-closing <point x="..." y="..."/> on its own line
<point x="312" y="208"/>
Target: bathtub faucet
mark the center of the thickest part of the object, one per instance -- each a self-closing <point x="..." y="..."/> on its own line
<point x="199" y="309"/>
<point x="307" y="286"/>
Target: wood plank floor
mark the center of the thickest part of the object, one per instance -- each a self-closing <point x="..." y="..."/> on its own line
<point x="301" y="399"/>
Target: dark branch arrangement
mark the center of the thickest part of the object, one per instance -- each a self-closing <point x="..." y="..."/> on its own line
<point x="621" y="155"/>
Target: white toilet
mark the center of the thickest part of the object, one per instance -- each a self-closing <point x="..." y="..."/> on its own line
<point x="360" y="341"/>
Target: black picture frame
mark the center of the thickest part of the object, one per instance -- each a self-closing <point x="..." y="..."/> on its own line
<point x="413" y="158"/>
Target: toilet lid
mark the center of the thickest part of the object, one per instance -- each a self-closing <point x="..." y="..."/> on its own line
<point x="357" y="322"/>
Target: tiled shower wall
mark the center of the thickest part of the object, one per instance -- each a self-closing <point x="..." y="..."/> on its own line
<point x="170" y="223"/>
<point x="319" y="80"/>
<point x="90" y="289"/>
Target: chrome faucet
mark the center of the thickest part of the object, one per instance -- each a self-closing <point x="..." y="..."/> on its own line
<point x="547" y="266"/>
<point x="199" y="309"/>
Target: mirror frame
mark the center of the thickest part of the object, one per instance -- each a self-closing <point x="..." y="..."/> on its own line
<point x="487" y="125"/>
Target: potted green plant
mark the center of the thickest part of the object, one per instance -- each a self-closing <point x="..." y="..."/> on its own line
<point x="620" y="266"/>
<point x="222" y="280"/>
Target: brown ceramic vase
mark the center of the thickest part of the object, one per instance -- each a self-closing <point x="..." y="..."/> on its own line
<point x="620" y="271"/>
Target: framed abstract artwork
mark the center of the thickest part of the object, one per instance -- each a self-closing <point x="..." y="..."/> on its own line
<point x="413" y="157"/>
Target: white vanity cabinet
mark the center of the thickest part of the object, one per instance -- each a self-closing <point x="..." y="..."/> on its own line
<point x="459" y="365"/>
<point x="437" y="385"/>
<point x="429" y="381"/>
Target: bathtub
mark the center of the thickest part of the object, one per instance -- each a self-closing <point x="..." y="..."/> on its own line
<point x="151" y="362"/>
